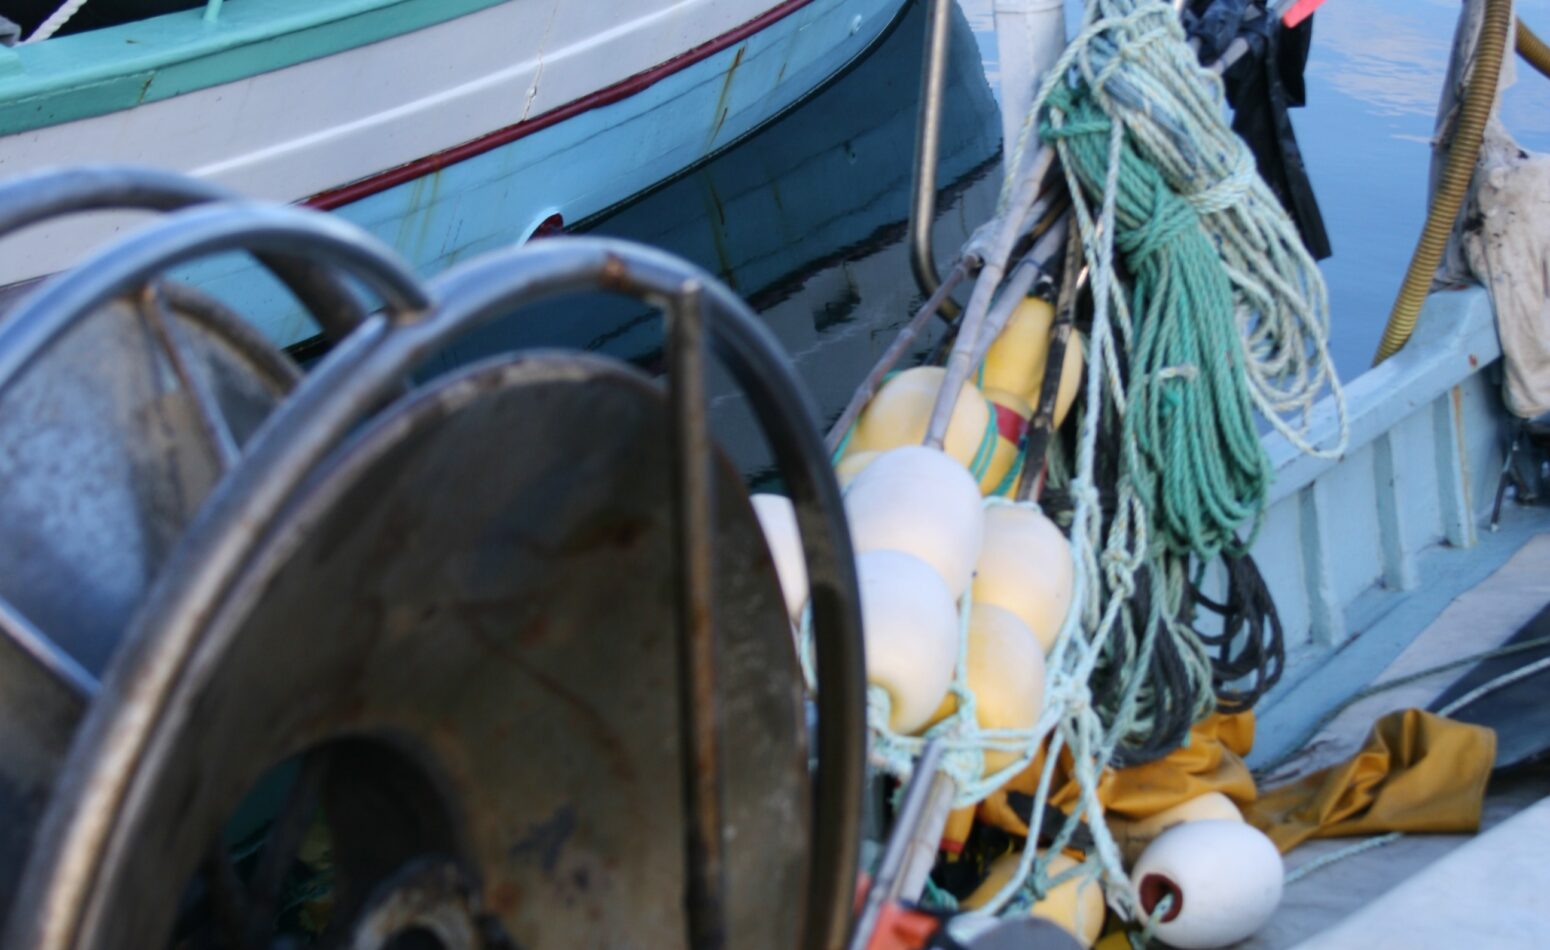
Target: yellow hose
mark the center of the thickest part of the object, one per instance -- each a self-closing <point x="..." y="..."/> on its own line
<point x="1533" y="49"/>
<point x="1479" y="96"/>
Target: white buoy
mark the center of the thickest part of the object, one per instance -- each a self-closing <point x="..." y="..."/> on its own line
<point x="1225" y="878"/>
<point x="910" y="627"/>
<point x="1025" y="567"/>
<point x="919" y="501"/>
<point x="779" y="520"/>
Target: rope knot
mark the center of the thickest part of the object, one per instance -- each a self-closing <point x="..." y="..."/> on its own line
<point x="1229" y="191"/>
<point x="1168" y="220"/>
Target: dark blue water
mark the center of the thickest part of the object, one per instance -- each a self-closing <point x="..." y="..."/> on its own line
<point x="806" y="219"/>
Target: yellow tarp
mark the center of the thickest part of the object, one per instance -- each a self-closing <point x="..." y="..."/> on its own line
<point x="1211" y="761"/>
<point x="1417" y="772"/>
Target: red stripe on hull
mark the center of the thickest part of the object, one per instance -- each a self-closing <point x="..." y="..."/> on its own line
<point x="420" y="167"/>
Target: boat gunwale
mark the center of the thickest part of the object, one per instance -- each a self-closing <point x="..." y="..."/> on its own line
<point x="102" y="71"/>
<point x="1454" y="340"/>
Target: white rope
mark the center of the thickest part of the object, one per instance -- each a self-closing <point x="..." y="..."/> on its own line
<point x="55" y="21"/>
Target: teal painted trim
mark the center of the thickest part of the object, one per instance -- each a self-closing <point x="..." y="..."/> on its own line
<point x="103" y="71"/>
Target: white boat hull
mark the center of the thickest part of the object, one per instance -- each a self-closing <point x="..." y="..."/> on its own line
<point x="445" y="142"/>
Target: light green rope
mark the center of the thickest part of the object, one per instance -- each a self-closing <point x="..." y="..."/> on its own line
<point x="1199" y="467"/>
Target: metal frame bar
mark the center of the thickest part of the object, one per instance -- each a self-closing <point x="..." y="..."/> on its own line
<point x="928" y="136"/>
<point x="913" y="811"/>
<point x="153" y="310"/>
<point x="33" y="199"/>
<point x="699" y="724"/>
<point x="122" y="268"/>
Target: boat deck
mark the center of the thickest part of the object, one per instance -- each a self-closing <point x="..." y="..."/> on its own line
<point x="1419" y="891"/>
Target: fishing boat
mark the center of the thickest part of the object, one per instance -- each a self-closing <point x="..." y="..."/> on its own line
<point x="1115" y="619"/>
<point x="445" y="129"/>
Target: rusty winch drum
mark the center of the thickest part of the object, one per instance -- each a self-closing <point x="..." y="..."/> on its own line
<point x="506" y="648"/>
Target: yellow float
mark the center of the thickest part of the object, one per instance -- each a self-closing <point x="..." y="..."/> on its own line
<point x="1076" y="905"/>
<point x="1015" y="361"/>
<point x="899" y="413"/>
<point x="1133" y="836"/>
<point x="1004" y="669"/>
<point x="851" y="465"/>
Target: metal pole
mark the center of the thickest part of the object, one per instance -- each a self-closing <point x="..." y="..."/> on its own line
<point x="925" y="838"/>
<point x="891" y="356"/>
<point x="698" y="716"/>
<point x="222" y="444"/>
<point x="928" y="129"/>
<point x="1031" y="483"/>
<point x="887" y="884"/>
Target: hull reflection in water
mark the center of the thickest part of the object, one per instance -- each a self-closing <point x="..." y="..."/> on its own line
<point x="806" y="219"/>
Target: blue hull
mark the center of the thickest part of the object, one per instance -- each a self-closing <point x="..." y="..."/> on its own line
<point x="587" y="164"/>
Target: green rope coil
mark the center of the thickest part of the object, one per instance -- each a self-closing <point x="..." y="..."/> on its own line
<point x="1203" y="472"/>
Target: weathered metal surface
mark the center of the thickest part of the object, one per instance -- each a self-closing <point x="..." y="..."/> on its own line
<point x="38" y="713"/>
<point x="699" y="717"/>
<point x="481" y="589"/>
<point x="431" y="899"/>
<point x="119" y="412"/>
<point x="104" y="460"/>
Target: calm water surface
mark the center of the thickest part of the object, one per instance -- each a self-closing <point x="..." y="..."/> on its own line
<point x="806" y="219"/>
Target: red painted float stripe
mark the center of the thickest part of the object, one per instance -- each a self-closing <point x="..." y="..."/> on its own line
<point x="1009" y="424"/>
<point x="420" y="167"/>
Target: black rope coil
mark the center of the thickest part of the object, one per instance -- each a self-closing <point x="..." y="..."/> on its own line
<point x="1249" y="652"/>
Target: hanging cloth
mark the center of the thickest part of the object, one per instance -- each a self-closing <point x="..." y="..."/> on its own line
<point x="1501" y="238"/>
<point x="1261" y="87"/>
